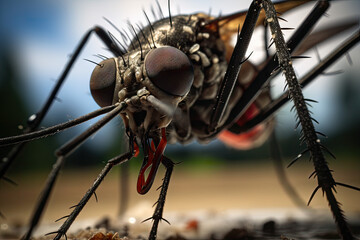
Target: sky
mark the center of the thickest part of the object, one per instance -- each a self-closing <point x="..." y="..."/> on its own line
<point x="42" y="35"/>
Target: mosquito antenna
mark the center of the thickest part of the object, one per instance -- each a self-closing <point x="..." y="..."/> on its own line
<point x="100" y="65"/>
<point x="151" y="27"/>
<point x="160" y="11"/>
<point x="137" y="37"/>
<point x="169" y="14"/>
<point x="142" y="32"/>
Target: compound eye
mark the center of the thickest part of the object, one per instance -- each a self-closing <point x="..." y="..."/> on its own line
<point x="102" y="82"/>
<point x="170" y="69"/>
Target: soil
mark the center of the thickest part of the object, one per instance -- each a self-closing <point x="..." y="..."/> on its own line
<point x="243" y="202"/>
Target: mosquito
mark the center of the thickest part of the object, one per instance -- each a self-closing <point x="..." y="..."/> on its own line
<point x="180" y="79"/>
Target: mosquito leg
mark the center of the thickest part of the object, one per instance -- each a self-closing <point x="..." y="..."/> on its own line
<point x="279" y="167"/>
<point x="252" y="91"/>
<point x="157" y="216"/>
<point x="124" y="188"/>
<point x="35" y="120"/>
<point x="234" y="66"/>
<point x="123" y="184"/>
<point x="41" y="204"/>
<point x="274" y="149"/>
<point x="54" y="129"/>
<point x="323" y="173"/>
<point x="70" y="219"/>
<point x="275" y="105"/>
<point x="61" y="154"/>
<point x="266" y="40"/>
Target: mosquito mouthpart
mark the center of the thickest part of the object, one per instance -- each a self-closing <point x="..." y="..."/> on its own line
<point x="161" y="106"/>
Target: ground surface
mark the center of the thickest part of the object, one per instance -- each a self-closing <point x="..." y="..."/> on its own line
<point x="245" y="201"/>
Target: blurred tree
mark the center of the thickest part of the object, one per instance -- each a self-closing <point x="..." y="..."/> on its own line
<point x="14" y="114"/>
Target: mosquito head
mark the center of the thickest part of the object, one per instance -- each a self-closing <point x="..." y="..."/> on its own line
<point x="151" y="86"/>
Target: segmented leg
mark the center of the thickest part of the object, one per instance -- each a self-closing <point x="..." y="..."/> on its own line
<point x="70" y="219"/>
<point x="35" y="119"/>
<point x="54" y="129"/>
<point x="276" y="104"/>
<point x="309" y="135"/>
<point x="158" y="213"/>
<point x="61" y="154"/>
<point x="279" y="167"/>
<point x="231" y="76"/>
<point x="254" y="90"/>
<point x="263" y="77"/>
<point x="275" y="152"/>
<point x="124" y="188"/>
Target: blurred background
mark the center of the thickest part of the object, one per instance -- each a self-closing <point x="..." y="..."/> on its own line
<point x="36" y="40"/>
